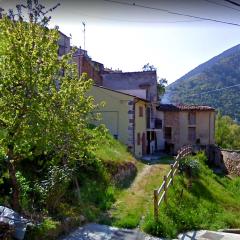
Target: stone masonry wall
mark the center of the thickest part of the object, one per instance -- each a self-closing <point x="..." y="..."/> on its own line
<point x="227" y="160"/>
<point x="231" y="160"/>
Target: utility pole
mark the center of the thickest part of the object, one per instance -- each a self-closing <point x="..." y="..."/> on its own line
<point x="84" y="35"/>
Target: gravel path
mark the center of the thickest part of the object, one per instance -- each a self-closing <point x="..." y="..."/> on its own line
<point x="95" y="231"/>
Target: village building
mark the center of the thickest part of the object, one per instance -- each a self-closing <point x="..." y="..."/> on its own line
<point x="85" y="64"/>
<point x="187" y="124"/>
<point x="125" y="117"/>
<point x="144" y="85"/>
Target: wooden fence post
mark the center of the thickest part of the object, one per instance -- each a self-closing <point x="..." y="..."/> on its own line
<point x="165" y="188"/>
<point x="172" y="170"/>
<point x="156" y="204"/>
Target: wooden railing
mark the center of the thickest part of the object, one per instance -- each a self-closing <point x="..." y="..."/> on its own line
<point x="160" y="194"/>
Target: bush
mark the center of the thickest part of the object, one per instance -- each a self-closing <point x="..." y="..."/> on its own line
<point x="190" y="166"/>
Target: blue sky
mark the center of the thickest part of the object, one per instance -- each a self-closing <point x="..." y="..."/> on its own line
<point x="126" y="38"/>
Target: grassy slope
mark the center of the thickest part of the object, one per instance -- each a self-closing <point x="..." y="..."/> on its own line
<point x="113" y="150"/>
<point x="212" y="203"/>
<point x="135" y="202"/>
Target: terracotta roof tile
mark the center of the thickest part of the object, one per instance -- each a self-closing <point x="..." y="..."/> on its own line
<point x="183" y="107"/>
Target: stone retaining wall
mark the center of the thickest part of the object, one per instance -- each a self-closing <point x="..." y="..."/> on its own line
<point x="228" y="160"/>
<point x="231" y="161"/>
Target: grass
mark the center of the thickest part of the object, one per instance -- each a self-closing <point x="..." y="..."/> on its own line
<point x="135" y="202"/>
<point x="213" y="202"/>
<point x="113" y="150"/>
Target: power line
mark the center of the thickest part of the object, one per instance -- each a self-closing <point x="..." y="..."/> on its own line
<point x="223" y="5"/>
<point x="173" y="13"/>
<point x="232" y="2"/>
<point x="201" y="93"/>
<point x="135" y="21"/>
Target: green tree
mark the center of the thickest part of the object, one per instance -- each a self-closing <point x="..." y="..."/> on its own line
<point x="227" y="132"/>
<point x="161" y="86"/>
<point x="148" y="67"/>
<point x="36" y="115"/>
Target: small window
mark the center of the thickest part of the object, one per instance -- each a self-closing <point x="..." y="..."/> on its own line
<point x="158" y="123"/>
<point x="138" y="139"/>
<point x="168" y="133"/>
<point x="140" y="111"/>
<point x="192" y="134"/>
<point x="192" y="118"/>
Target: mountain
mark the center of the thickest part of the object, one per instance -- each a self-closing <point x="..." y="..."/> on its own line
<point x="211" y="84"/>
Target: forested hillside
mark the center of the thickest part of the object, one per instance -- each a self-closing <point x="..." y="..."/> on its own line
<point x="222" y="71"/>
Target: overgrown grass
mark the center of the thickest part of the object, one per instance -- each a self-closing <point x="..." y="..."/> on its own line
<point x="136" y="202"/>
<point x="213" y="202"/>
<point x="113" y="150"/>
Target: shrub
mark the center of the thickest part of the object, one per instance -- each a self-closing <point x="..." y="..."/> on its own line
<point x="190" y="166"/>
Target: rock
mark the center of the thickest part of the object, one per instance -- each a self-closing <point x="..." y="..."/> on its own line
<point x="15" y="221"/>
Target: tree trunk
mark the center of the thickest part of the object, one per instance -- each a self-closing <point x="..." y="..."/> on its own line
<point x="15" y="185"/>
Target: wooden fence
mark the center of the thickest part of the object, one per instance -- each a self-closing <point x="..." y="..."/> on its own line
<point x="160" y="194"/>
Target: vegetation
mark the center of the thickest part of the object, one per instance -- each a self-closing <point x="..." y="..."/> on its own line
<point x="49" y="169"/>
<point x="134" y="203"/>
<point x="220" y="72"/>
<point x="210" y="202"/>
<point x="227" y="133"/>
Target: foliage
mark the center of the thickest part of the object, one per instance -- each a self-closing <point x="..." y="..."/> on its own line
<point x="227" y="132"/>
<point x="220" y="72"/>
<point x="43" y="105"/>
<point x="190" y="166"/>
<point x="148" y="67"/>
<point x="161" y="85"/>
<point x="211" y="203"/>
<point x="48" y="229"/>
<point x="136" y="201"/>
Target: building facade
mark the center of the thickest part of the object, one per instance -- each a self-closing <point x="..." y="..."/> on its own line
<point x="125" y="117"/>
<point x="144" y="85"/>
<point x="187" y="124"/>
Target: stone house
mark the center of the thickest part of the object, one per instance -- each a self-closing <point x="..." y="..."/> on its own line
<point x="187" y="124"/>
<point x="125" y="117"/>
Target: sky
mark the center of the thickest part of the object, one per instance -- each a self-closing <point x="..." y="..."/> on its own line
<point x="125" y="36"/>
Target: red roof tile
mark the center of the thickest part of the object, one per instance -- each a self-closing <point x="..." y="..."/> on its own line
<point x="183" y="107"/>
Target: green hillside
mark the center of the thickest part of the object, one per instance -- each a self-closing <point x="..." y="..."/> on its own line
<point x="211" y="202"/>
<point x="221" y="71"/>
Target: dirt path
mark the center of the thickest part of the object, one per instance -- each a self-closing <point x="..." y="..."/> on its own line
<point x="136" y="202"/>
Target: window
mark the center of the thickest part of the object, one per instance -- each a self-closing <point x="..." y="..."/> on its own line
<point x="168" y="133"/>
<point x="158" y="123"/>
<point x="138" y="139"/>
<point x="192" y="118"/>
<point x="140" y="111"/>
<point x="192" y="134"/>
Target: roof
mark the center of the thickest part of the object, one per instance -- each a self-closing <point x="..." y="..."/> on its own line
<point x="183" y="107"/>
<point x="121" y="93"/>
<point x="131" y="80"/>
